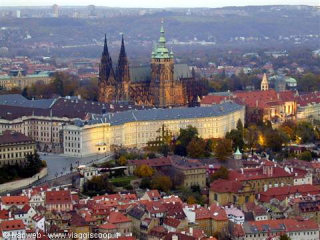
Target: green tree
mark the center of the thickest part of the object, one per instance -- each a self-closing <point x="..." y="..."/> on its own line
<point x="184" y="138"/>
<point x="98" y="185"/>
<point x="275" y="139"/>
<point x="221" y="173"/>
<point x="305" y="156"/>
<point x="236" y="136"/>
<point x="305" y="132"/>
<point x="223" y="149"/>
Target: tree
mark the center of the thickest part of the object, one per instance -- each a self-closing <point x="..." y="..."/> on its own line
<point x="184" y="138"/>
<point x="191" y="200"/>
<point x="305" y="132"/>
<point x="197" y="148"/>
<point x="144" y="170"/>
<point x="251" y="135"/>
<point x="221" y="173"/>
<point x="305" y="156"/>
<point x="98" y="185"/>
<point x="275" y="139"/>
<point x="223" y="149"/>
<point x="236" y="136"/>
<point x="161" y="182"/>
<point x="145" y="183"/>
<point x="122" y="161"/>
<point x="284" y="237"/>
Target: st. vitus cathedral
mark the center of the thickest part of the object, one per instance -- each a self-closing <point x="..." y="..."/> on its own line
<point x="165" y="84"/>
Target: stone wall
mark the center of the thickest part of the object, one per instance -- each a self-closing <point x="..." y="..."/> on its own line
<point x="10" y="186"/>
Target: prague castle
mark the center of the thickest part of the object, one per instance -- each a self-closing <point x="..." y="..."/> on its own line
<point x="164" y="84"/>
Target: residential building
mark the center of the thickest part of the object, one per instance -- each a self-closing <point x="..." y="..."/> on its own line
<point x="295" y="229"/>
<point x="13" y="229"/>
<point x="58" y="200"/>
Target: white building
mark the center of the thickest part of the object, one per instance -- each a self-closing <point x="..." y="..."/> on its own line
<point x="235" y="215"/>
<point x="136" y="128"/>
<point x="13" y="230"/>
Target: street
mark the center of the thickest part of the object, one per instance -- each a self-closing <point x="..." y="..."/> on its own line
<point x="59" y="165"/>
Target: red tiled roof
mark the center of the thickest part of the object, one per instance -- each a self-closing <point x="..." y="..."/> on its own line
<point x="108" y="226"/>
<point x="14" y="200"/>
<point x="4" y="214"/>
<point x="213" y="99"/>
<point x="305" y="99"/>
<point x="58" y="197"/>
<point x="153" y="162"/>
<point x="117" y="217"/>
<point x="172" y="222"/>
<point x="10" y="225"/>
<point x="281" y="193"/>
<point x="153" y="194"/>
<point x="291" y="225"/>
<point x="225" y="186"/>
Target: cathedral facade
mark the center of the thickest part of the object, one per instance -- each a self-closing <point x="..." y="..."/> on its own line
<point x="164" y="84"/>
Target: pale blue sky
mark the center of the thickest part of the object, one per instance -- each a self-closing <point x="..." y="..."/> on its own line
<point x="157" y="3"/>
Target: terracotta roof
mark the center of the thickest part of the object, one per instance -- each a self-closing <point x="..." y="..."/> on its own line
<point x="172" y="222"/>
<point x="14" y="200"/>
<point x="10" y="225"/>
<point x="4" y="214"/>
<point x="153" y="162"/>
<point x="108" y="226"/>
<point x="117" y="217"/>
<point x="226" y="186"/>
<point x="280" y="225"/>
<point x="281" y="193"/>
<point x="153" y="194"/>
<point x="58" y="197"/>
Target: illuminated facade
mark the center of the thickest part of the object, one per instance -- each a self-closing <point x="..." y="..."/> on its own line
<point x="136" y="128"/>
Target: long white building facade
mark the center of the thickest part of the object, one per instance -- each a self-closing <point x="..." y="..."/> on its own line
<point x="135" y="128"/>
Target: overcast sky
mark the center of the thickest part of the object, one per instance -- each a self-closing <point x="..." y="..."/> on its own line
<point x="157" y="3"/>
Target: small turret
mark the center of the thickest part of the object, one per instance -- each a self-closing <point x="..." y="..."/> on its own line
<point x="264" y="83"/>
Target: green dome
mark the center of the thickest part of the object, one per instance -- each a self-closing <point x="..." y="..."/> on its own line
<point x="161" y="51"/>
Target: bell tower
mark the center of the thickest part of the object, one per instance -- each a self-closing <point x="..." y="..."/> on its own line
<point x="162" y="70"/>
<point x="264" y="83"/>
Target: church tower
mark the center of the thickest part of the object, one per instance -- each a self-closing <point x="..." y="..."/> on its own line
<point x="162" y="73"/>
<point x="264" y="83"/>
<point x="123" y="74"/>
<point x="107" y="82"/>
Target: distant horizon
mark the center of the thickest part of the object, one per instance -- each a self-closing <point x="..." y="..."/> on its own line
<point x="160" y="5"/>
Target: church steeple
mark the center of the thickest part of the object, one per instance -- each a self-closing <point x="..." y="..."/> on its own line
<point x="161" y="51"/>
<point x="264" y="83"/>
<point x="123" y="73"/>
<point x="105" y="47"/>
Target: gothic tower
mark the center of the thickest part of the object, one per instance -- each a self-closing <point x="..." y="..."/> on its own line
<point x="162" y="73"/>
<point x="264" y="83"/>
<point x="123" y="74"/>
<point x="107" y="82"/>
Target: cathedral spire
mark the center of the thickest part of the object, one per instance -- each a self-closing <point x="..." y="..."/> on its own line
<point x="105" y="47"/>
<point x="264" y="83"/>
<point x="122" y="49"/>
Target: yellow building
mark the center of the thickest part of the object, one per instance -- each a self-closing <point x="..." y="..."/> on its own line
<point x="14" y="147"/>
<point x="211" y="220"/>
<point x="225" y="192"/>
<point x="194" y="172"/>
<point x="21" y="81"/>
<point x="137" y="127"/>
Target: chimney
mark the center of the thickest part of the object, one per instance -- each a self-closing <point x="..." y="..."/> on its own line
<point x="257" y="103"/>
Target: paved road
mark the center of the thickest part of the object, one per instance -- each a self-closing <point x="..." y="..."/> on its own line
<point x="59" y="164"/>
